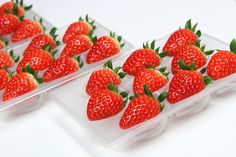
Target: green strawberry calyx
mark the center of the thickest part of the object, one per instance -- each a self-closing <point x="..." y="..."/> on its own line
<point x="40" y="22"/>
<point x="21" y="3"/>
<point x="118" y="38"/>
<point x="92" y="37"/>
<point x="184" y="66"/>
<point x="188" y="25"/>
<point x="53" y="34"/>
<point x="109" y="65"/>
<point x="233" y="46"/>
<point x="78" y="60"/>
<point x="48" y="48"/>
<point x="202" y="48"/>
<point x="28" y="69"/>
<point x="152" y="46"/>
<point x="6" y="42"/>
<point x="162" y="70"/>
<point x="115" y="89"/>
<point x="87" y="19"/>
<point x="15" y="58"/>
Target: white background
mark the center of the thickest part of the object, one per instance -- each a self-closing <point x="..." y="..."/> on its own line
<point x="49" y="131"/>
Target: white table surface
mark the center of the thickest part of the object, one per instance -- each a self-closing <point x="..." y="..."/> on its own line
<point x="49" y="131"/>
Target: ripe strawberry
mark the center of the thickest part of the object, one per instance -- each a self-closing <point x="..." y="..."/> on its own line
<point x="189" y="53"/>
<point x="7" y="59"/>
<point x="182" y="37"/>
<point x="104" y="47"/>
<point x="14" y="7"/>
<point x="141" y="58"/>
<point x="62" y="67"/>
<point x="4" y="78"/>
<point x="78" y="45"/>
<point x="8" y="23"/>
<point x="100" y="79"/>
<point x="223" y="63"/>
<point x="27" y="29"/>
<point x="42" y="40"/>
<point x="81" y="27"/>
<point x="22" y="83"/>
<point x="39" y="59"/>
<point x="152" y="78"/>
<point x="106" y="103"/>
<point x="3" y="42"/>
<point x="186" y="83"/>
<point x="142" y="108"/>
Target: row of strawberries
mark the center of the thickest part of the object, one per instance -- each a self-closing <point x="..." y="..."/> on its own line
<point x="183" y="47"/>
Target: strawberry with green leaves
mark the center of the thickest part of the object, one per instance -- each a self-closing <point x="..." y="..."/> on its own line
<point x="3" y="42"/>
<point x="223" y="63"/>
<point x="141" y="58"/>
<point x="100" y="79"/>
<point x="186" y="82"/>
<point x="154" y="79"/>
<point x="142" y="108"/>
<point x="7" y="59"/>
<point x="8" y="23"/>
<point x="106" y="103"/>
<point x="62" y="67"/>
<point x="105" y="47"/>
<point x="81" y="27"/>
<point x="22" y="83"/>
<point x="182" y="37"/>
<point x="4" y="78"/>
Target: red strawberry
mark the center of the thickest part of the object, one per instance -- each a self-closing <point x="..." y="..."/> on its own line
<point x="15" y="7"/>
<point x="3" y="42"/>
<point x="42" y="40"/>
<point x="27" y="29"/>
<point x="81" y="27"/>
<point x="223" y="63"/>
<point x="105" y="103"/>
<point x="78" y="45"/>
<point x="141" y="58"/>
<point x="189" y="53"/>
<point x="142" y="108"/>
<point x="8" y="59"/>
<point x="8" y="23"/>
<point x="186" y="83"/>
<point x="104" y="47"/>
<point x="22" y="83"/>
<point x="39" y="59"/>
<point x="100" y="79"/>
<point x="4" y="78"/>
<point x="152" y="78"/>
<point x="181" y="37"/>
<point x="62" y="67"/>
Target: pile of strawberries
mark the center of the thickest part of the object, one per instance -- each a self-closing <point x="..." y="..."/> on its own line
<point x="189" y="63"/>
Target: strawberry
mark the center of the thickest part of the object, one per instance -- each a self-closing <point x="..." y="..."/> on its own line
<point x="27" y="29"/>
<point x="4" y="78"/>
<point x="62" y="67"/>
<point x="104" y="47"/>
<point x="3" y="42"/>
<point x="152" y="78"/>
<point x="100" y="79"/>
<point x="189" y="53"/>
<point x="223" y="63"/>
<point x="8" y="24"/>
<point x="22" y="83"/>
<point x="142" y="108"/>
<point x="141" y="58"/>
<point x="186" y="83"/>
<point x="182" y="37"/>
<point x="39" y="59"/>
<point x="81" y="27"/>
<point x="78" y="45"/>
<point x="42" y="40"/>
<point x="7" y="59"/>
<point x="106" y="103"/>
<point x="15" y="7"/>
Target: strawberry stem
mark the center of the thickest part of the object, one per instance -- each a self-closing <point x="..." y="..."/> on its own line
<point x="162" y="97"/>
<point x="147" y="91"/>
<point x="207" y="80"/>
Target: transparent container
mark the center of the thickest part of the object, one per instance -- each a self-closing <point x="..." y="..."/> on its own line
<point x="73" y="98"/>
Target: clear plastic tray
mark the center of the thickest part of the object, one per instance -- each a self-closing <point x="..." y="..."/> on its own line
<point x="74" y="99"/>
<point x="33" y="99"/>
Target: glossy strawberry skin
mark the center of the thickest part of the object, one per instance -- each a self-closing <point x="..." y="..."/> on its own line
<point x="4" y="78"/>
<point x="19" y="85"/>
<point x="185" y="84"/>
<point x="179" y="38"/>
<point x="6" y="60"/>
<point x="104" y="104"/>
<point x="104" y="47"/>
<point x="77" y="28"/>
<point x="100" y="79"/>
<point x="152" y="78"/>
<point x="139" y="59"/>
<point x="77" y="45"/>
<point x="140" y="109"/>
<point x="27" y="29"/>
<point x="9" y="6"/>
<point x="188" y="54"/>
<point x="61" y="67"/>
<point x="38" y="59"/>
<point x="8" y="24"/>
<point x="221" y="64"/>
